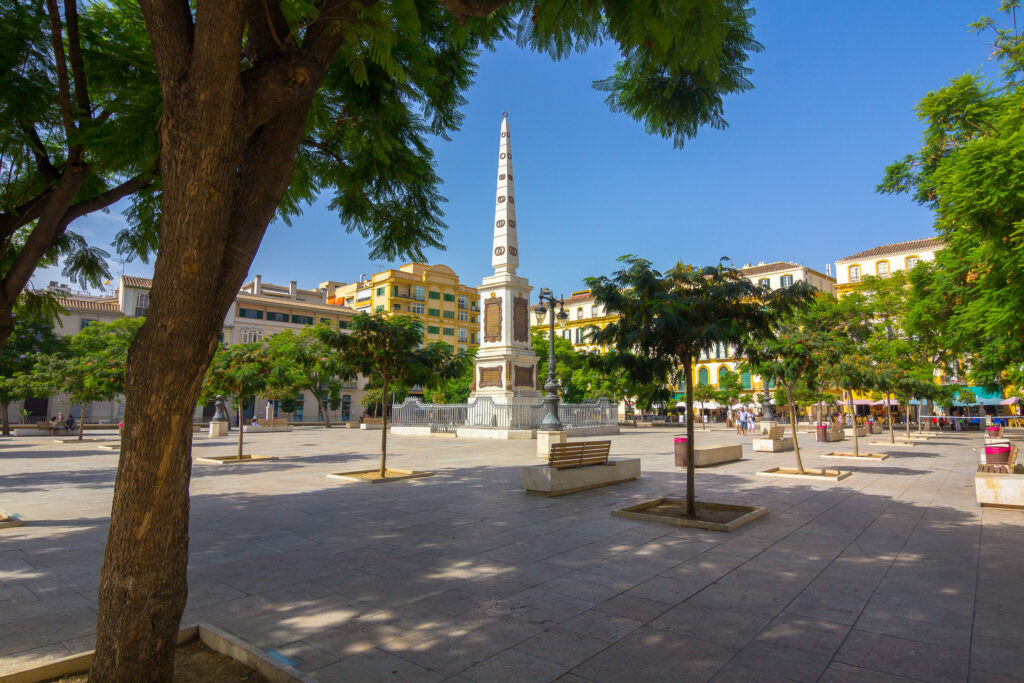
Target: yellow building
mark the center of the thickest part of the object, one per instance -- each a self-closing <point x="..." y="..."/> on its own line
<point x="449" y="310"/>
<point x="883" y="260"/>
<point x="585" y="317"/>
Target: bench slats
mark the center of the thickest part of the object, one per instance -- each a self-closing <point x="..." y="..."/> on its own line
<point x="580" y="454"/>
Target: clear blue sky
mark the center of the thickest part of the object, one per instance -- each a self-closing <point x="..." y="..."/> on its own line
<point x="791" y="178"/>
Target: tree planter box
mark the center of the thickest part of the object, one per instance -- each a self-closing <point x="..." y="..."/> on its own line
<point x="812" y="473"/>
<point x="876" y="428"/>
<point x="862" y="456"/>
<point x="773" y="445"/>
<point x="212" y="637"/>
<point x="710" y="516"/>
<point x="257" y="428"/>
<point x="542" y="480"/>
<point x="861" y="431"/>
<point x="705" y="456"/>
<point x="229" y="459"/>
<point x="367" y="475"/>
<point x="999" y="490"/>
<point x="834" y="435"/>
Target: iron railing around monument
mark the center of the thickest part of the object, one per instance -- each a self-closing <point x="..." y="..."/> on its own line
<point x="485" y="413"/>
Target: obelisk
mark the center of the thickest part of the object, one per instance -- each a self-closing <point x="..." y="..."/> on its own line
<point x="506" y="366"/>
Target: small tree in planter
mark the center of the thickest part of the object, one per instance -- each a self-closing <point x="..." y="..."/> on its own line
<point x="92" y="366"/>
<point x="665" y="320"/>
<point x="307" y="363"/>
<point x="730" y="389"/>
<point x="390" y="350"/>
<point x="240" y="371"/>
<point x="702" y="393"/>
<point x="29" y="338"/>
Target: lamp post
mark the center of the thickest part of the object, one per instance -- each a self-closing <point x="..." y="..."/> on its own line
<point x="551" y="421"/>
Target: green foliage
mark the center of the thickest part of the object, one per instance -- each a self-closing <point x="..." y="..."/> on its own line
<point x="304" y="362"/>
<point x="30" y="339"/>
<point x="729" y="389"/>
<point x="967" y="172"/>
<point x="454" y="389"/>
<point x="241" y="371"/>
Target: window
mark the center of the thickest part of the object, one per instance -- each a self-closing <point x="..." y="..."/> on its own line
<point x="432" y="329"/>
<point x="579" y="313"/>
<point x="472" y="319"/>
<point x="418" y="308"/>
<point x="593" y="311"/>
<point x="302" y="319"/>
<point x="449" y="297"/>
<point x="378" y="309"/>
<point x="250" y="335"/>
<point x="912" y="261"/>
<point x="85" y="323"/>
<point x="463" y="301"/>
<point x="722" y="372"/>
<point x="463" y="334"/>
<point x="786" y="281"/>
<point x="854" y="273"/>
<point x="449" y="314"/>
<point x="882" y="268"/>
<point x="448" y="331"/>
<point x="764" y="282"/>
<point x="464" y="316"/>
<point x="702" y="377"/>
<point x="251" y="313"/>
<point x="342" y="324"/>
<point x="419" y="293"/>
<point x="435" y="295"/>
<point x="745" y="379"/>
<point x="718" y="350"/>
<point x="396" y="307"/>
<point x="277" y="317"/>
<point x="579" y="335"/>
<point x="364" y="294"/>
<point x="325" y="320"/>
<point x="381" y="290"/>
<point x="141" y="305"/>
<point x="434" y="312"/>
<point x="472" y="337"/>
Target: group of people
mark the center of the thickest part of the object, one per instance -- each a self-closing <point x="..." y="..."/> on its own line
<point x="58" y="421"/>
<point x="745" y="421"/>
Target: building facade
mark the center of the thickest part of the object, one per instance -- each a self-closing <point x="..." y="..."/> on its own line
<point x="260" y="310"/>
<point x="883" y="260"/>
<point x="449" y="310"/>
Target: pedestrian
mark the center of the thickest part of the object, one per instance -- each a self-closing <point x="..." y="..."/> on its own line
<point x="53" y="425"/>
<point x="69" y="424"/>
<point x="738" y="419"/>
<point x="752" y="422"/>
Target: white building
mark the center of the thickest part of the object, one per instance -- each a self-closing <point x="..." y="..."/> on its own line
<point x="884" y="260"/>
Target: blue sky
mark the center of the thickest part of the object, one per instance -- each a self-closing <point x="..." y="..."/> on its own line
<point x="791" y="178"/>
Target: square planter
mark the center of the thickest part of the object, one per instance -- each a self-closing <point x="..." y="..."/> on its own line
<point x="372" y="476"/>
<point x="812" y="473"/>
<point x="233" y="459"/>
<point x="773" y="445"/>
<point x="1000" y="490"/>
<point x="212" y="637"/>
<point x="862" y="456"/>
<point x="710" y="516"/>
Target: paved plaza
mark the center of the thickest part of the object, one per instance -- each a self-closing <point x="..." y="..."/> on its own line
<point x="893" y="574"/>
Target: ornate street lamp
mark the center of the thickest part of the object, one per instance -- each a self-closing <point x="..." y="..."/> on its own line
<point x="551" y="421"/>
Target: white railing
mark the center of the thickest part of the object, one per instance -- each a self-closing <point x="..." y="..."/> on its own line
<point x="485" y="413"/>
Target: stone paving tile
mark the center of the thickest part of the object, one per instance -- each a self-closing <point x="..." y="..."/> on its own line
<point x="562" y="646"/>
<point x="995" y="656"/>
<point x="375" y="666"/>
<point x="513" y="665"/>
<point x="602" y="625"/>
<point x="901" y="657"/>
<point x="627" y="605"/>
<point x="804" y="633"/>
<point x="732" y="673"/>
<point x="780" y="660"/>
<point x="649" y="654"/>
<point x="837" y="672"/>
<point x="539" y="607"/>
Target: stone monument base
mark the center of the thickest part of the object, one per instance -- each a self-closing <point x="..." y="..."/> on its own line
<point x="218" y="429"/>
<point x="546" y="438"/>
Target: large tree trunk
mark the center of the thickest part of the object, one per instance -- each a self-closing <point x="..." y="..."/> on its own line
<point x="906" y="416"/>
<point x="384" y="429"/>
<point x="81" y="423"/>
<point x="792" y="428"/>
<point x="691" y="496"/>
<point x="853" y="420"/>
<point x="888" y="417"/>
<point x="323" y="408"/>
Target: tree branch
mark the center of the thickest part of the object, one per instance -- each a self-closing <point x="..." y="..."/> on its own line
<point x="266" y="27"/>
<point x="45" y="167"/>
<point x="102" y="201"/>
<point x="63" y="87"/>
<point x="217" y="43"/>
<point x="77" y="63"/>
<point x="464" y="10"/>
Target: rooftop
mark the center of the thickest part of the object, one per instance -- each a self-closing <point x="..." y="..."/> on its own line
<point x="896" y="248"/>
<point x="132" y="281"/>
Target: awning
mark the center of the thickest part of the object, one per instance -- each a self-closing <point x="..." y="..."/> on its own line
<point x="857" y="402"/>
<point x="1010" y="401"/>
<point x="885" y="401"/>
<point x="983" y="396"/>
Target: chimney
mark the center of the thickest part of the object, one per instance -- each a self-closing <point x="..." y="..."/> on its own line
<point x="292" y="286"/>
<point x="257" y="285"/>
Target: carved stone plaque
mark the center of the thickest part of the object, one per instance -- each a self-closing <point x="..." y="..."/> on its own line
<point x="523" y="376"/>
<point x="521" y="319"/>
<point x="492" y="320"/>
<point x="490" y="376"/>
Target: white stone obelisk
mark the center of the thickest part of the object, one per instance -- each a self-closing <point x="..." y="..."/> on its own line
<point x="506" y="366"/>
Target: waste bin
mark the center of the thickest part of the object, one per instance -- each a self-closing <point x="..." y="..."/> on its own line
<point x="821" y="433"/>
<point x="680" y="448"/>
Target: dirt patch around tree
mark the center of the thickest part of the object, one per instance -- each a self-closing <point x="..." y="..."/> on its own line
<point x="709" y="516"/>
<point x="196" y="663"/>
<point x="373" y="476"/>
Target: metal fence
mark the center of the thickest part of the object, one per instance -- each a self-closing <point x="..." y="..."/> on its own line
<point x="485" y="413"/>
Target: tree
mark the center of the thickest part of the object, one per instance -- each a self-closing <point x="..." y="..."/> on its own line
<point x="702" y="393"/>
<point x="455" y="389"/>
<point x="240" y="371"/>
<point x="730" y="388"/>
<point x="308" y="365"/>
<point x="966" y="172"/>
<point x="390" y="350"/>
<point x="31" y="336"/>
<point x="91" y="367"/>
<point x="78" y="132"/>
<point x="665" y="320"/>
<point x="264" y="105"/>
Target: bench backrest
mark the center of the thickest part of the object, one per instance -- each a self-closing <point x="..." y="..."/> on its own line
<point x="776" y="432"/>
<point x="578" y="454"/>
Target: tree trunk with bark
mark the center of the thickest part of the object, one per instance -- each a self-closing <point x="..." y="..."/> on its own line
<point x="792" y="428"/>
<point x="81" y="424"/>
<point x="5" y="424"/>
<point x="888" y="417"/>
<point x="906" y="419"/>
<point x="853" y="420"/>
<point x="384" y="429"/>
<point x="691" y="496"/>
<point x="323" y="408"/>
<point x="241" y="428"/>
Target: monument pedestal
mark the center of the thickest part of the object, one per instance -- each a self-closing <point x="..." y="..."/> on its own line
<point x="546" y="438"/>
<point x="218" y="429"/>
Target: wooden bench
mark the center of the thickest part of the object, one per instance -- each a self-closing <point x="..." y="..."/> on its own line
<point x="775" y="432"/>
<point x="579" y="454"/>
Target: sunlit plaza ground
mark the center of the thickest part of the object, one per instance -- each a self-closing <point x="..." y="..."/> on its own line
<point x="895" y="572"/>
